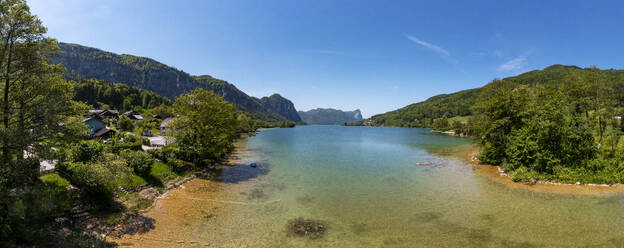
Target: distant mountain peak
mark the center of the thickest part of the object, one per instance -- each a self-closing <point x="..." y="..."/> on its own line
<point x="330" y="116"/>
<point x="282" y="106"/>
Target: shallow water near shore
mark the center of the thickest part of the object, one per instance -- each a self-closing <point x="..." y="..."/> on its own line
<point x="372" y="187"/>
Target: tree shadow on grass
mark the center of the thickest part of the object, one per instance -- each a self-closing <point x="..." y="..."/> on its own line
<point x="152" y="180"/>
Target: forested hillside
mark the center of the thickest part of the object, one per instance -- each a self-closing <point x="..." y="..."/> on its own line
<point x="115" y="95"/>
<point x="90" y="63"/>
<point x="86" y="62"/>
<point x="424" y="113"/>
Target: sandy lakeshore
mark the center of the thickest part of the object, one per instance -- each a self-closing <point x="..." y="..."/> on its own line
<point x="179" y="207"/>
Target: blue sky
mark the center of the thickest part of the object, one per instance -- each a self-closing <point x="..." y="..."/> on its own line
<point x="373" y="55"/>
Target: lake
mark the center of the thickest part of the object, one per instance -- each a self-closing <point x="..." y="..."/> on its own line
<point x="373" y="187"/>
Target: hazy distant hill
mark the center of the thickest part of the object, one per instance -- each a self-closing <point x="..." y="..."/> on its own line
<point x="330" y="116"/>
<point x="86" y="62"/>
<point x="459" y="104"/>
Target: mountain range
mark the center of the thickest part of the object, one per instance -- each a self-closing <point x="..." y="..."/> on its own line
<point x="330" y="116"/>
<point x="84" y="62"/>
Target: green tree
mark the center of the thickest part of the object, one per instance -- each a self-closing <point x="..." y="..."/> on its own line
<point x="36" y="111"/>
<point x="205" y="125"/>
<point x="127" y="104"/>
<point x="125" y="124"/>
<point x="502" y="108"/>
<point x="245" y="124"/>
<point x="85" y="151"/>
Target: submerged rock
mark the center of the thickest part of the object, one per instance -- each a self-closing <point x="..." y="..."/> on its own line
<point x="309" y="228"/>
<point x="424" y="163"/>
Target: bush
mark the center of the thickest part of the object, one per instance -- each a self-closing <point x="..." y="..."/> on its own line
<point x="125" y="124"/>
<point x="176" y="164"/>
<point x="100" y="179"/>
<point x="170" y="152"/>
<point x="85" y="151"/>
<point x="139" y="161"/>
<point x="124" y="141"/>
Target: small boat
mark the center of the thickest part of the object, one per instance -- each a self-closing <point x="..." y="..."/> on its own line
<point x="252" y="164"/>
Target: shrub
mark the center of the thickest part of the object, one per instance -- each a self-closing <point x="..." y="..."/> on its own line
<point x="101" y="178"/>
<point x="85" y="151"/>
<point x="124" y="141"/>
<point x="125" y="124"/>
<point x="170" y="152"/>
<point x="139" y="161"/>
<point x="176" y="164"/>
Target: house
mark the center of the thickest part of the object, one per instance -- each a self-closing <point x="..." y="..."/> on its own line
<point x="98" y="127"/>
<point x="133" y="115"/>
<point x="160" y="141"/>
<point x="163" y="126"/>
<point x="104" y="113"/>
<point x="147" y="133"/>
<point x="46" y="166"/>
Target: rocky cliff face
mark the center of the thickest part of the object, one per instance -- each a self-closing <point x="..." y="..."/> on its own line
<point x="85" y="62"/>
<point x="330" y="116"/>
<point x="282" y="106"/>
<point x="357" y="115"/>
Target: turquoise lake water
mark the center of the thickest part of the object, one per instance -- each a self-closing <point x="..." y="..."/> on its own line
<point x="384" y="187"/>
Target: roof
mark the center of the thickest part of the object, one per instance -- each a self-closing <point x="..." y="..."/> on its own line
<point x="160" y="140"/>
<point x="103" y="112"/>
<point x="94" y="117"/>
<point x="165" y="122"/>
<point x="102" y="131"/>
<point x="136" y="117"/>
<point x="47" y="165"/>
<point x="115" y="112"/>
<point x="130" y="113"/>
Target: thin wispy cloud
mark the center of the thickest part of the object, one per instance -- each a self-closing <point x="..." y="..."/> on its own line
<point x="513" y="64"/>
<point x="432" y="47"/>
